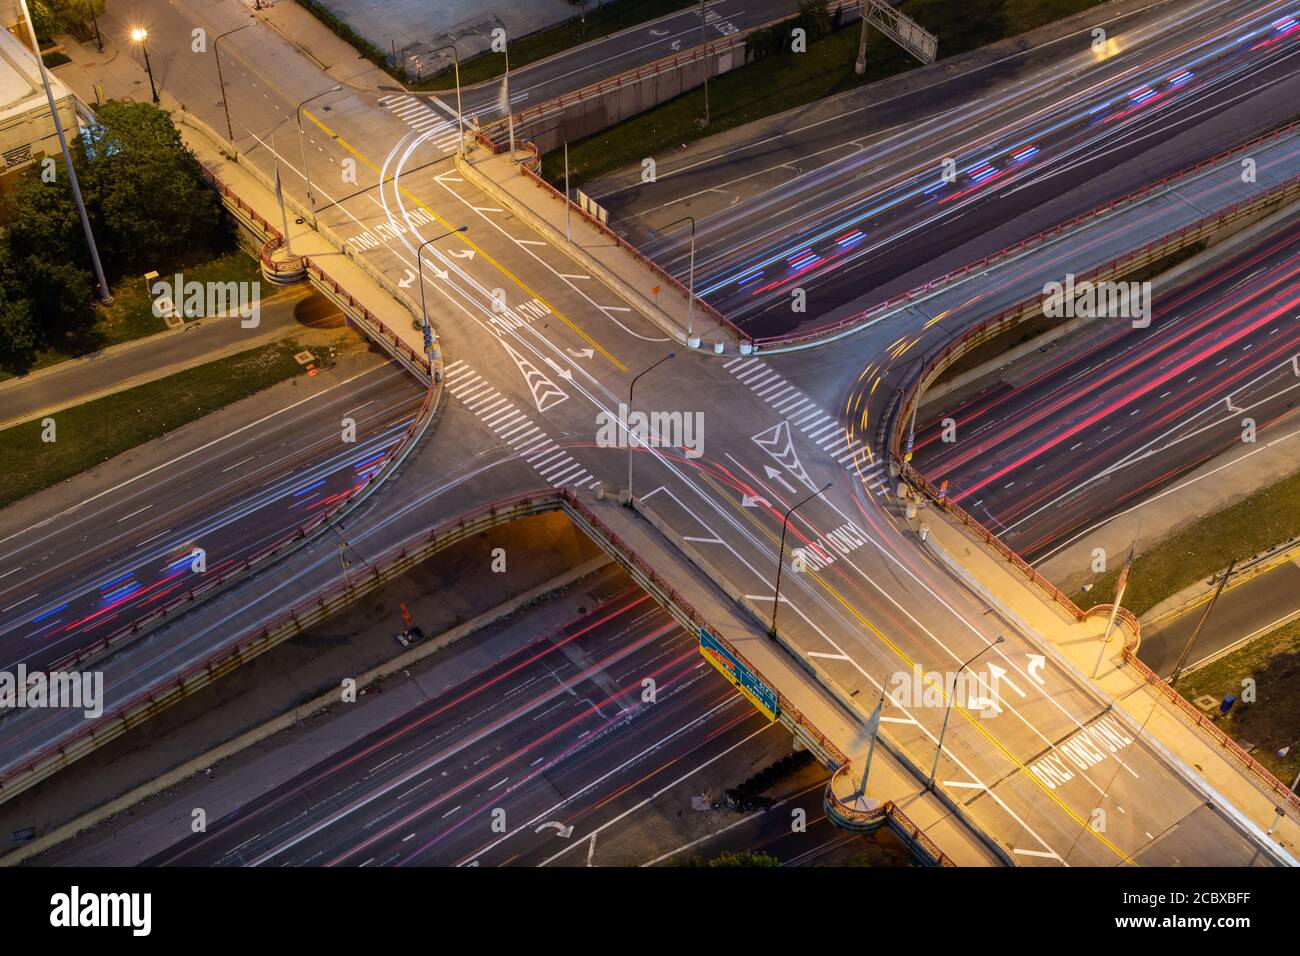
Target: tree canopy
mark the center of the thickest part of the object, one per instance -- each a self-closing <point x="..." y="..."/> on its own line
<point x="148" y="208"/>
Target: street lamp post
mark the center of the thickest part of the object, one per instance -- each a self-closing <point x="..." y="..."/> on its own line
<point x="94" y="19"/>
<point x="568" y="202"/>
<point x="460" y="116"/>
<point x="780" y="557"/>
<point x="221" y="81"/>
<point x="630" y="501"/>
<point x="691" y="340"/>
<point x="948" y="711"/>
<point x="424" y="310"/>
<point x="140" y="35"/>
<point x="105" y="296"/>
<point x="302" y="141"/>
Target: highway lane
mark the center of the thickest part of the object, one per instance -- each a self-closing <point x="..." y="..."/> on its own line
<point x="847" y="209"/>
<point x="1118" y="413"/>
<point x="896" y="606"/>
<point x="1252" y="605"/>
<point x="557" y="734"/>
<point x="78" y="574"/>
<point x="600" y="59"/>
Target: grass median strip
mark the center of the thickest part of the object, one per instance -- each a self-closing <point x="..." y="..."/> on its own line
<point x="1272" y="720"/>
<point x="90" y="434"/>
<point x="1252" y="526"/>
<point x="781" y="82"/>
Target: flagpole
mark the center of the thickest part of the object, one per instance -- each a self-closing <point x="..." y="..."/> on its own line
<point x="279" y="197"/>
<point x="874" y="725"/>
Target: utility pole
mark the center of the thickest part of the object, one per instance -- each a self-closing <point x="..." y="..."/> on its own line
<point x="104" y="295"/>
<point x="704" y="61"/>
<point x="860" y="66"/>
<point x="1223" y="581"/>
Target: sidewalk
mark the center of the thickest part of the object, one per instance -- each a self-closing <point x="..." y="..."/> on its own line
<point x="1075" y="645"/>
<point x="83" y="379"/>
<point x="357" y="279"/>
<point x="891" y="779"/>
<point x="598" y="250"/>
<point x="372" y="303"/>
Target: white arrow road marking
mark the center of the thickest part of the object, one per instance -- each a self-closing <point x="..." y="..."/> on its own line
<point x="406" y="280"/>
<point x="753" y="501"/>
<point x="1035" y="669"/>
<point x="463" y="253"/>
<point x="774" y="474"/>
<point x="1000" y="676"/>
<point x="560" y="829"/>
<point x="581" y="353"/>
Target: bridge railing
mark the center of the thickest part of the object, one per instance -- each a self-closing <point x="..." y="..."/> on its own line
<point x="1197" y="716"/>
<point x="673" y="598"/>
<point x="293" y="538"/>
<point x="938" y="360"/>
<point x="530" y="172"/>
<point x="1038" y="239"/>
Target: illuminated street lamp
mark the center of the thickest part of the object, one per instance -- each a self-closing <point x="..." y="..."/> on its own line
<point x="140" y="35"/>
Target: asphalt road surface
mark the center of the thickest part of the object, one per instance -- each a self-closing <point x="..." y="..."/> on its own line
<point x="1067" y="439"/>
<point x="855" y="203"/>
<point x="1023" y="768"/>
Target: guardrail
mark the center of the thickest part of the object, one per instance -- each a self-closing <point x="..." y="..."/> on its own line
<point x="940" y="359"/>
<point x="298" y="535"/>
<point x="368" y="318"/>
<point x="1205" y="723"/>
<point x="841" y="327"/>
<point x="320" y="606"/>
<point x="290" y="541"/>
<point x="391" y="564"/>
<point x="686" y="613"/>
<point x="667" y="64"/>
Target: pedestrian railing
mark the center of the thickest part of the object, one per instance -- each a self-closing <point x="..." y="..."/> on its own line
<point x="938" y="360"/>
